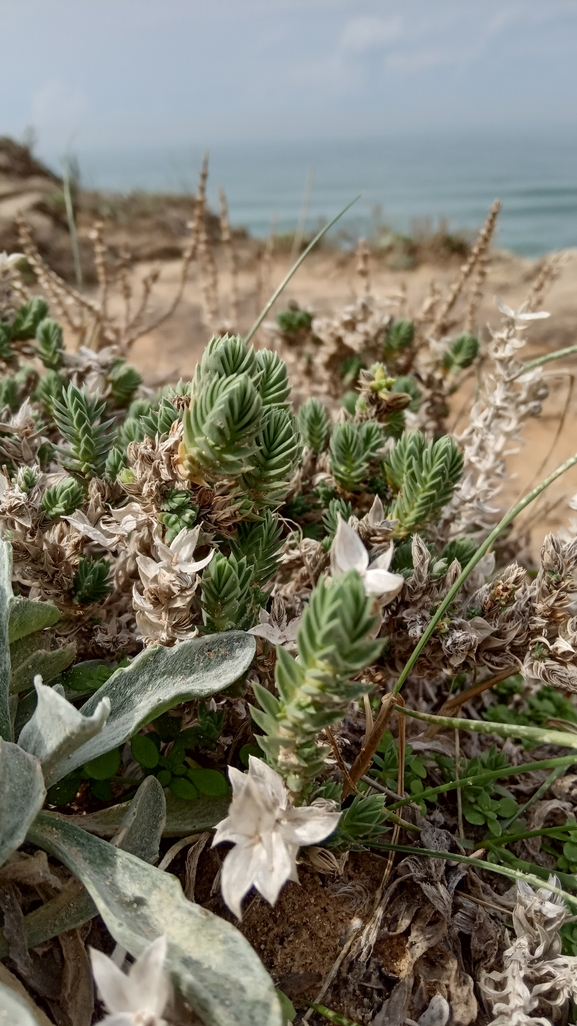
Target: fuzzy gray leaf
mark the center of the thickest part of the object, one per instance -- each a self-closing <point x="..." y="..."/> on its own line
<point x="160" y="678"/>
<point x="22" y="795"/>
<point x="143" y="822"/>
<point x="5" y="597"/>
<point x="27" y="616"/>
<point x="47" y="665"/>
<point x="56" y="730"/>
<point x="215" y="968"/>
<point x="14" y="1011"/>
<point x="182" y="817"/>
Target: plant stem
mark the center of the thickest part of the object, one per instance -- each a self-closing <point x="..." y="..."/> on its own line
<point x="295" y="268"/>
<point x="540" y="360"/>
<point x="484" y="778"/>
<point x="492" y="867"/>
<point x="486" y="545"/>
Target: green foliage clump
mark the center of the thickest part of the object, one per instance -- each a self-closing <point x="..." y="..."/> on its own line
<point x="124" y="379"/>
<point x="50" y="345"/>
<point x="179" y="512"/>
<point x="92" y="580"/>
<point x="424" y="476"/>
<point x="29" y="316"/>
<point x="238" y="425"/>
<point x="115" y="462"/>
<point x="63" y="498"/>
<point x="226" y="593"/>
<point x="78" y="417"/>
<point x="386" y="761"/>
<point x="461" y="354"/>
<point x="292" y="321"/>
<point x="398" y="337"/>
<point x="49" y="390"/>
<point x="334" y="645"/>
<point x="314" y="425"/>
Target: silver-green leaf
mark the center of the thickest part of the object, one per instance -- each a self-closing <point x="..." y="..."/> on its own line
<point x="56" y="730"/>
<point x="22" y="795"/>
<point x="182" y="817"/>
<point x="14" y="1011"/>
<point x="5" y="597"/>
<point x="160" y="678"/>
<point x="27" y="616"/>
<point x="143" y="822"/>
<point x="214" y="967"/>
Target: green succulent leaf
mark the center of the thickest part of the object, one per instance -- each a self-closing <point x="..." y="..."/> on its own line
<point x="314" y="690"/>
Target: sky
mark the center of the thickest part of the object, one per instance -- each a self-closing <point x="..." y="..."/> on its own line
<point x="107" y="73"/>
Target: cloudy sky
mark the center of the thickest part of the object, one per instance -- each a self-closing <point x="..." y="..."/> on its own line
<point x="115" y="72"/>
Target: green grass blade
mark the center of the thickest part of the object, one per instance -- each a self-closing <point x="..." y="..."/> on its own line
<point x="480" y="779"/>
<point x="295" y="268"/>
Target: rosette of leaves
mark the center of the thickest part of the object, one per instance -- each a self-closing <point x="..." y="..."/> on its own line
<point x="238" y="425"/>
<point x="314" y="425"/>
<point x="50" y="344"/>
<point x="399" y="336"/>
<point x="314" y="690"/>
<point x="423" y="475"/>
<point x="354" y="448"/>
<point x="78" y="417"/>
<point x="461" y="353"/>
<point x="28" y="318"/>
<point x="124" y="379"/>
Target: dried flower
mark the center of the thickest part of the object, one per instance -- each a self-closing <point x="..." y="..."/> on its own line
<point x="267" y="834"/>
<point x="349" y="553"/>
<point x="534" y="970"/>
<point x="139" y="997"/>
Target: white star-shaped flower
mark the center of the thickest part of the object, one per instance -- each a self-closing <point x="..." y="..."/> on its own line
<point x="277" y="632"/>
<point x="349" y="553"/>
<point x="267" y="834"/>
<point x="522" y="314"/>
<point x="136" y="998"/>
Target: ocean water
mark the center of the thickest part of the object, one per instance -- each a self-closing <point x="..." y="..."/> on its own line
<point x="453" y="176"/>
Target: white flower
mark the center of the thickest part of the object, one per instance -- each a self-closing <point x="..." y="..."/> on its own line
<point x="349" y="553"/>
<point x="522" y="314"/>
<point x="277" y="631"/>
<point x="139" y="997"/>
<point x="266" y="834"/>
<point x="8" y="262"/>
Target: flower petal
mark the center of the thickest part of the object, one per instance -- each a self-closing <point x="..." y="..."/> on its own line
<point x="238" y="872"/>
<point x="275" y="865"/>
<point x="376" y="513"/>
<point x="308" y="825"/>
<point x="268" y="781"/>
<point x="383" y="561"/>
<point x="113" y="986"/>
<point x="347" y="550"/>
<point x="148" y="980"/>
<point x="383" y="584"/>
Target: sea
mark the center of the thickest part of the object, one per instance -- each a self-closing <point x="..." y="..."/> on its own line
<point x="405" y="181"/>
